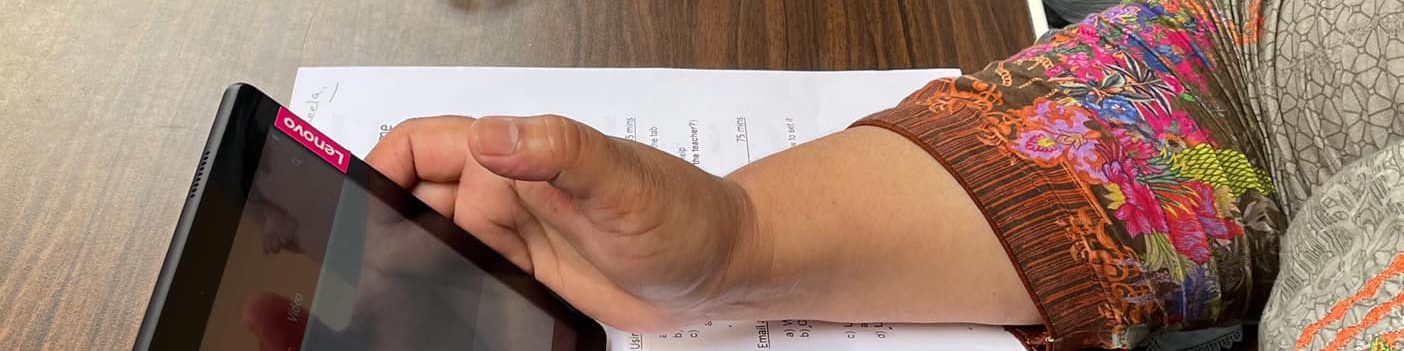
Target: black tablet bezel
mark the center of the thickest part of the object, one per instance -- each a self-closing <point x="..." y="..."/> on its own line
<point x="185" y="290"/>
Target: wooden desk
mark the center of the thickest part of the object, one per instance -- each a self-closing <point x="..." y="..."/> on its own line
<point x="104" y="104"/>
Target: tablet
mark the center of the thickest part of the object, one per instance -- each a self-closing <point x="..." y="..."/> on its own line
<point x="289" y="242"/>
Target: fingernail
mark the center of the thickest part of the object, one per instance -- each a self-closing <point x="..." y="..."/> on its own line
<point x="497" y="136"/>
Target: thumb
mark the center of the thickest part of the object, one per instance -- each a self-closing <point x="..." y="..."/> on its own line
<point x="571" y="156"/>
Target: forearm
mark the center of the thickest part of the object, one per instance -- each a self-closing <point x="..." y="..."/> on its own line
<point x="863" y="225"/>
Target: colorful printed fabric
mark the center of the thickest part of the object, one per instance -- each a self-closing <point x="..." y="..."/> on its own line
<point x="1119" y="168"/>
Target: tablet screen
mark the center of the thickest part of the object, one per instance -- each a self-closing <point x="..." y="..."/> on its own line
<point x="322" y="262"/>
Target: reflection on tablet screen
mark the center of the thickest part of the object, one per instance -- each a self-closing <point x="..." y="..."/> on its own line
<point x="319" y="264"/>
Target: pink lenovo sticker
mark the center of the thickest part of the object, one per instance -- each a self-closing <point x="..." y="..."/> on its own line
<point x="314" y="140"/>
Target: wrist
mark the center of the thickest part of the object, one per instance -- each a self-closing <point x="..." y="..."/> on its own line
<point x="748" y="288"/>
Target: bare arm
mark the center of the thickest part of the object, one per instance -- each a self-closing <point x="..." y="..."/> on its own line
<point x="864" y="225"/>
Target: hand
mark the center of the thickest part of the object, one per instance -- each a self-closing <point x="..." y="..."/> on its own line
<point x="632" y="236"/>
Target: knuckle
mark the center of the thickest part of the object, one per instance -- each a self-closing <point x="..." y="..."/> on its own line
<point x="409" y="126"/>
<point x="415" y="122"/>
<point x="430" y="122"/>
<point x="421" y="125"/>
<point x="403" y="128"/>
<point x="566" y="140"/>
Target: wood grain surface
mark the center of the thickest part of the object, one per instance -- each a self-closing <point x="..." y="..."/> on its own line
<point x="105" y="104"/>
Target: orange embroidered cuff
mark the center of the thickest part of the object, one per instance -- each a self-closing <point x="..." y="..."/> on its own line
<point x="1040" y="214"/>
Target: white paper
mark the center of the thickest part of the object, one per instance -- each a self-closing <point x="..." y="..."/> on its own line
<point x="718" y="120"/>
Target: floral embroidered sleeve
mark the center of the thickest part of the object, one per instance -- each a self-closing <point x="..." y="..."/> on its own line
<point x="1120" y="168"/>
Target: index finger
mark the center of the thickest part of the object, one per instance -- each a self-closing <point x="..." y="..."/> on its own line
<point x="433" y="149"/>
